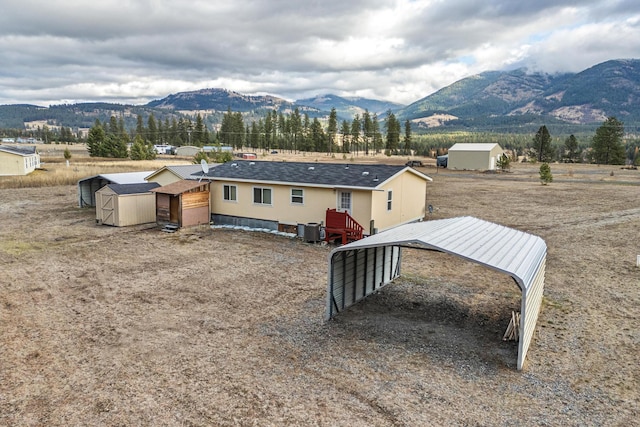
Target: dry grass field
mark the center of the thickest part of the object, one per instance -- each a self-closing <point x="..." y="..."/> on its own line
<point x="107" y="326"/>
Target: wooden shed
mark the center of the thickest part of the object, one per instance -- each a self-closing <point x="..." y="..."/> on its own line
<point x="121" y="205"/>
<point x="183" y="203"/>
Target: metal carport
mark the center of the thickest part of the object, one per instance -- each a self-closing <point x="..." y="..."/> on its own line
<point x="87" y="187"/>
<point x="361" y="268"/>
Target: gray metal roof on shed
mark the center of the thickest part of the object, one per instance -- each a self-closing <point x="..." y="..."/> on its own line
<point x="364" y="176"/>
<point x="513" y="252"/>
<point x="123" y="189"/>
<point x="121" y="178"/>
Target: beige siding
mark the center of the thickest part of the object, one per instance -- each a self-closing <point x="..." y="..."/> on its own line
<point x="124" y="210"/>
<point x="136" y="209"/>
<point x="164" y="177"/>
<point x="474" y="159"/>
<point x="407" y="204"/>
<point x="15" y="164"/>
<point x="316" y="202"/>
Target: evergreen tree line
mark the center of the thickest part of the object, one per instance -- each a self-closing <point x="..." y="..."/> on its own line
<point x="364" y="134"/>
<point x="111" y="139"/>
<point x="297" y="132"/>
<point x="607" y="147"/>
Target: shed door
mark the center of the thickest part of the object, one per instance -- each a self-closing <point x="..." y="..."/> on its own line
<point x="108" y="209"/>
<point x="174" y="209"/>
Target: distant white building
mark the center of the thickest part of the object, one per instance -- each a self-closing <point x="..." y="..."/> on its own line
<point x="474" y="156"/>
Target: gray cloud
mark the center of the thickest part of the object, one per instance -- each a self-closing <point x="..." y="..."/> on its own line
<point x="400" y="50"/>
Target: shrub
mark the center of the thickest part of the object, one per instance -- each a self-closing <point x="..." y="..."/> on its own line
<point x="545" y="174"/>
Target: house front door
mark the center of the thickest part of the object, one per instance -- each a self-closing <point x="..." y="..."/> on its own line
<point x="344" y="201"/>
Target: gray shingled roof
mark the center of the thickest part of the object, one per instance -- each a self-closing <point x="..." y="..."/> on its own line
<point x="22" y="151"/>
<point x="367" y="176"/>
<point x="133" y="188"/>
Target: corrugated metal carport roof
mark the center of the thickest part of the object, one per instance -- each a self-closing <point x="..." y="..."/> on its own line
<point x="513" y="252"/>
<point x="88" y="186"/>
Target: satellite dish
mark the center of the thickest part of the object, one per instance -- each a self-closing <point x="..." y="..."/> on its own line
<point x="205" y="166"/>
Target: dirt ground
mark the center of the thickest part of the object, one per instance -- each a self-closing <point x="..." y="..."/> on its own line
<point x="109" y="326"/>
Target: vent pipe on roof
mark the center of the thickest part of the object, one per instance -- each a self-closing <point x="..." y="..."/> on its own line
<point x="311" y="168"/>
<point x="365" y="173"/>
<point x="376" y="179"/>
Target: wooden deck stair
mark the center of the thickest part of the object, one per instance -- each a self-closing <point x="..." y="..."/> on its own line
<point x="341" y="225"/>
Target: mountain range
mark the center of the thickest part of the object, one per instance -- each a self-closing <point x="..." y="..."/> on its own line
<point x="502" y="101"/>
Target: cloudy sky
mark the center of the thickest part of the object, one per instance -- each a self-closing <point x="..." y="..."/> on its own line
<point x="68" y="51"/>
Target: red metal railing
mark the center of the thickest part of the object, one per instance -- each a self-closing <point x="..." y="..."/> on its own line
<point x="342" y="225"/>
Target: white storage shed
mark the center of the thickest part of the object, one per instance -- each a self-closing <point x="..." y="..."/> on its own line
<point x="474" y="156"/>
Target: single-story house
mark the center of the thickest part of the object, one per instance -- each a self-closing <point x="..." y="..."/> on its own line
<point x="18" y="160"/>
<point x="87" y="187"/>
<point x="278" y="195"/>
<point x="183" y="203"/>
<point x="126" y="204"/>
<point x="170" y="174"/>
<point x="474" y="156"/>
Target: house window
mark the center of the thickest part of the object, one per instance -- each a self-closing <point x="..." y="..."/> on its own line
<point x="389" y="199"/>
<point x="230" y="193"/>
<point x="297" y="196"/>
<point x="261" y="195"/>
<point x="344" y="201"/>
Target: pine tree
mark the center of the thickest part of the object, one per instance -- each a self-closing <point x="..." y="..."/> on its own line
<point x="393" y="133"/>
<point x="545" y="174"/>
<point x="152" y="130"/>
<point x="345" y="130"/>
<point x="407" y="137"/>
<point x="355" y="133"/>
<point x="367" y="127"/>
<point x="332" y="128"/>
<point x="198" y="132"/>
<point x="541" y="148"/>
<point x="377" y="136"/>
<point x="95" y="140"/>
<point x="571" y="148"/>
<point x="607" y="145"/>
